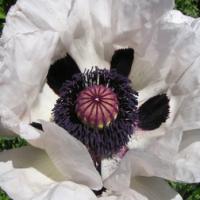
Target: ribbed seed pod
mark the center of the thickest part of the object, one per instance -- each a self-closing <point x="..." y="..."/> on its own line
<point x="97" y="106"/>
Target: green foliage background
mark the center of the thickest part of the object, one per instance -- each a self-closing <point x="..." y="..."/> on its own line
<point x="188" y="191"/>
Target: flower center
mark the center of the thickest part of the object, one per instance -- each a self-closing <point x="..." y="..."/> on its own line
<point x="97" y="106"/>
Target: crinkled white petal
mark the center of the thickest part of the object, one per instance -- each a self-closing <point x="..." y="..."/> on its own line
<point x="27" y="157"/>
<point x="175" y="148"/>
<point x="42" y="107"/>
<point x="22" y="183"/>
<point x="173" y="157"/>
<point x="151" y="90"/>
<point x="28" y="183"/>
<point x="187" y="115"/>
<point x="35" y="185"/>
<point x="135" y="163"/>
<point x="26" y="62"/>
<point x="188" y="138"/>
<point x="68" y="154"/>
<point x="89" y="31"/>
<point x="154" y="189"/>
<point x="142" y="188"/>
<point x="108" y="198"/>
<point x="142" y="139"/>
<point x="167" y="54"/>
<point x="130" y="194"/>
<point x="108" y="166"/>
<point x="38" y="33"/>
<point x="67" y="190"/>
<point x="179" y="150"/>
<point x="23" y="71"/>
<point x="120" y="24"/>
<point x="9" y="121"/>
<point x="127" y="194"/>
<point x="171" y="54"/>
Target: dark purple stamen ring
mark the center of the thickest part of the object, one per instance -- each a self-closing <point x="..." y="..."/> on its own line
<point x="108" y="140"/>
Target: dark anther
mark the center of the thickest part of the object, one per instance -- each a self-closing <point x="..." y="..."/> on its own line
<point x="99" y="192"/>
<point x="153" y="112"/>
<point x="61" y="71"/>
<point x="122" y="61"/>
<point x="37" y="125"/>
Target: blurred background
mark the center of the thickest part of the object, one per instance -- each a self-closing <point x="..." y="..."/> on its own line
<point x="188" y="191"/>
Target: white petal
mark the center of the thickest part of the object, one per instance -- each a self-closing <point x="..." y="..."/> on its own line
<point x="42" y="107"/>
<point x="108" y="198"/>
<point x="154" y="189"/>
<point x="81" y="24"/>
<point x="187" y="113"/>
<point x="143" y="139"/>
<point x="26" y="54"/>
<point x="143" y="188"/>
<point x="108" y="166"/>
<point x="23" y="184"/>
<point x="28" y="17"/>
<point x="70" y="156"/>
<point x="27" y="157"/>
<point x="171" y="54"/>
<point x="127" y="194"/>
<point x="171" y="157"/>
<point x="179" y="151"/>
<point x="8" y="121"/>
<point x="31" y="134"/>
<point x="21" y="85"/>
<point x="186" y="76"/>
<point x="47" y="15"/>
<point x="151" y="90"/>
<point x="35" y="51"/>
<point x="171" y="61"/>
<point x="188" y="157"/>
<point x="188" y="138"/>
<point x="67" y="190"/>
<point x="124" y="23"/>
<point x="135" y="163"/>
<point x="32" y="38"/>
<point x="175" y="16"/>
<point x="137" y="32"/>
<point x="176" y="150"/>
<point x="17" y="22"/>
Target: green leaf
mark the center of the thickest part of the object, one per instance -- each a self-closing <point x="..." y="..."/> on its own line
<point x="11" y="143"/>
<point x="2" y="14"/>
<point x="3" y="195"/>
<point x="188" y="7"/>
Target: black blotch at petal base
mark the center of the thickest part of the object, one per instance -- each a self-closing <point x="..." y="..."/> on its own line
<point x="37" y="125"/>
<point x="99" y="192"/>
<point x="61" y="71"/>
<point x="122" y="61"/>
<point x="153" y="112"/>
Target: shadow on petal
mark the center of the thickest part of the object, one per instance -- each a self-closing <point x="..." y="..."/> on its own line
<point x="154" y="188"/>
<point x="27" y="157"/>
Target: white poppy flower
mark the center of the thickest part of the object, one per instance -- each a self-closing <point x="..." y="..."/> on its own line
<point x="165" y="73"/>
